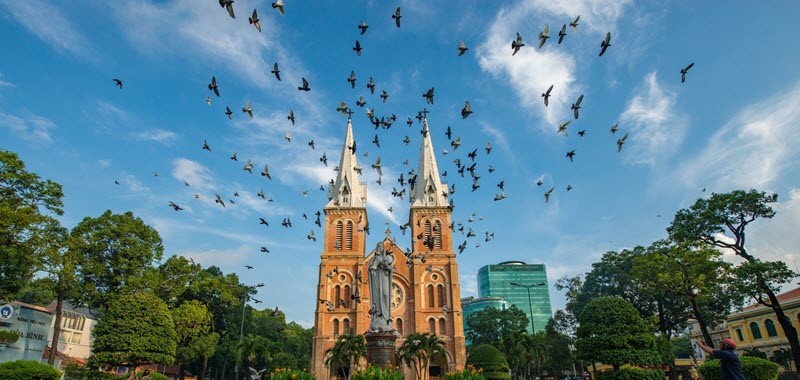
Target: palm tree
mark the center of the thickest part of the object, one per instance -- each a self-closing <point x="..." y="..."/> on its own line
<point x="539" y="350"/>
<point x="346" y="352"/>
<point x="418" y="350"/>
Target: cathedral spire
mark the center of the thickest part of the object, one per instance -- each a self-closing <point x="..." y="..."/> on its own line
<point x="347" y="190"/>
<point x="428" y="189"/>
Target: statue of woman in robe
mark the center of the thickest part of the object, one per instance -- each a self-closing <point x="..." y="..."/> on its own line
<point x="380" y="289"/>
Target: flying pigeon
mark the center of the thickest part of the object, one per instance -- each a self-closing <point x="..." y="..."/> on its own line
<point x="229" y="5"/>
<point x="605" y="44"/>
<point x="396" y="16"/>
<point x="683" y="72"/>
<point x="254" y="20"/>
<point x="276" y="71"/>
<point x="118" y="82"/>
<point x="278" y="4"/>
<point x="516" y="44"/>
<point x="462" y="48"/>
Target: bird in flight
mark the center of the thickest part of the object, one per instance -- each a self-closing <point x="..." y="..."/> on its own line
<point x="466" y="111"/>
<point x="248" y="266"/>
<point x="357" y="48"/>
<point x="248" y="109"/>
<point x="254" y="20"/>
<point x="614" y="128"/>
<point x="276" y="71"/>
<point x="683" y="73"/>
<point x="175" y="206"/>
<point x="264" y="249"/>
<point x="118" y="82"/>
<point x="577" y="106"/>
<point x="248" y="167"/>
<point x="219" y="200"/>
<point x="213" y="85"/>
<point x="546" y="95"/>
<point x="574" y="24"/>
<point x="363" y="27"/>
<point x="208" y="100"/>
<point x="571" y="155"/>
<point x="547" y="194"/>
<point x="582" y="133"/>
<point x="291" y="116"/>
<point x="563" y="127"/>
<point x="228" y="112"/>
<point x="205" y="146"/>
<point x="562" y="33"/>
<point x="265" y="172"/>
<point x="396" y="16"/>
<point x="605" y="44"/>
<point x="371" y="85"/>
<point x="384" y="96"/>
<point x="462" y="48"/>
<point x="544" y="35"/>
<point x="352" y="78"/>
<point x="516" y="44"/>
<point x="228" y="4"/>
<point x="377" y="166"/>
<point x="569" y="187"/>
<point x="620" y="142"/>
<point x="428" y="95"/>
<point x="304" y="87"/>
<point x="279" y="6"/>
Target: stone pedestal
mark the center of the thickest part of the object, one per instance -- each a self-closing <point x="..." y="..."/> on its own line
<point x="380" y="349"/>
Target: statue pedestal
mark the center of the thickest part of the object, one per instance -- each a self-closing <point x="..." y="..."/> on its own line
<point x="381" y="351"/>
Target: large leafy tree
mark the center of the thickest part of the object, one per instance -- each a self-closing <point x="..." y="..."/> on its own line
<point x="697" y="275"/>
<point x="112" y="249"/>
<point x="559" y="356"/>
<point x="136" y="329"/>
<point x="195" y="340"/>
<point x="721" y="221"/>
<point x="25" y="198"/>
<point x="418" y="350"/>
<point x="490" y="325"/>
<point x="346" y="353"/>
<point x="612" y="332"/>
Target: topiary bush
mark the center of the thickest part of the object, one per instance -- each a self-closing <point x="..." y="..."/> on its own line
<point x="753" y="368"/>
<point x="28" y="370"/>
<point x="8" y="336"/>
<point x="377" y="373"/>
<point x="469" y="373"/>
<point x="631" y="373"/>
<point x="491" y="361"/>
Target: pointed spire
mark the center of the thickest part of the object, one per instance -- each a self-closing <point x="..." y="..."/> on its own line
<point x="347" y="190"/>
<point x="428" y="190"/>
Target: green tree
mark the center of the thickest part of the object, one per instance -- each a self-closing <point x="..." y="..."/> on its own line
<point x="346" y="353"/>
<point x="559" y="356"/>
<point x="697" y="275"/>
<point x="721" y="221"/>
<point x="24" y="197"/>
<point x="39" y="292"/>
<point x="112" y="249"/>
<point x="193" y="329"/>
<point x="491" y="361"/>
<point x="490" y="325"/>
<point x="418" y="350"/>
<point x="612" y="332"/>
<point x="136" y="329"/>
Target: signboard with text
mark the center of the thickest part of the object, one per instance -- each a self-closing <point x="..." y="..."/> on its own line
<point x="33" y="328"/>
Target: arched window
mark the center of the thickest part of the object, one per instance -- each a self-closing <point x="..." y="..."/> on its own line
<point x="739" y="335"/>
<point x="770" y="328"/>
<point x="337" y="245"/>
<point x="335" y="327"/>
<point x="346" y="326"/>
<point x="430" y="296"/>
<point x="440" y="295"/>
<point x="337" y="295"/>
<point x="755" y="330"/>
<point x="346" y="295"/>
<point x="432" y="326"/>
<point x="398" y="325"/>
<point x="348" y="240"/>
<point x="442" y="326"/>
<point x="428" y="229"/>
<point x="437" y="235"/>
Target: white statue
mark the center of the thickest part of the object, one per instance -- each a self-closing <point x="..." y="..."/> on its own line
<point x="380" y="288"/>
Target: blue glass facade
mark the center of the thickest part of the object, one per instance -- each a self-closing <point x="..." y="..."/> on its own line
<point x="471" y="305"/>
<point x="495" y="281"/>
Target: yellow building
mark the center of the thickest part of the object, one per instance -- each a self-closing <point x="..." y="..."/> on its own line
<point x="756" y="326"/>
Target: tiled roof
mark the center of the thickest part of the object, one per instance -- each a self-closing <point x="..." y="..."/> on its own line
<point x="785" y="296"/>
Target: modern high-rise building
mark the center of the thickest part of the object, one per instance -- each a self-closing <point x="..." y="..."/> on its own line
<point x="524" y="285"/>
<point x="472" y="305"/>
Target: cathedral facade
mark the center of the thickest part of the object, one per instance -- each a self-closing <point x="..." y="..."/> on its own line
<point x="425" y="293"/>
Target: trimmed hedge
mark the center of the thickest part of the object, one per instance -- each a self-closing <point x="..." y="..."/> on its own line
<point x="28" y="370"/>
<point x="753" y="368"/>
<point x="491" y="361"/>
<point x="377" y="373"/>
<point x="631" y="373"/>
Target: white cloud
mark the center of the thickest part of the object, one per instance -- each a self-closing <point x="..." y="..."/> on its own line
<point x="48" y="23"/>
<point x="33" y="128"/>
<point x="5" y="83"/>
<point x="104" y="163"/>
<point x="777" y="239"/>
<point x="596" y="15"/>
<point x="226" y="259"/>
<point x="194" y="173"/>
<point x="753" y="149"/>
<point x="655" y="128"/>
<point x="157" y="135"/>
<point x="498" y="136"/>
<point x="133" y="184"/>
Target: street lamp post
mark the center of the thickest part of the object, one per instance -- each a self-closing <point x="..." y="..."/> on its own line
<point x="241" y="325"/>
<point x="530" y="305"/>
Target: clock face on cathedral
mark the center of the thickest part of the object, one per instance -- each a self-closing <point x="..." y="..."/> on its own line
<point x="397" y="296"/>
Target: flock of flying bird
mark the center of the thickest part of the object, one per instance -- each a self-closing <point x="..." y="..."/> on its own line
<point x="387" y="121"/>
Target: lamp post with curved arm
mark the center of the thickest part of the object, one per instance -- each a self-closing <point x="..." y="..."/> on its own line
<point x="530" y="307"/>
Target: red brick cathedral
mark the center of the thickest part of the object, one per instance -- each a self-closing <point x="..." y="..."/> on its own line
<point x="425" y="293"/>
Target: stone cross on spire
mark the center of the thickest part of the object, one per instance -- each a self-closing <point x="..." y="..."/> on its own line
<point x="428" y="190"/>
<point x="347" y="190"/>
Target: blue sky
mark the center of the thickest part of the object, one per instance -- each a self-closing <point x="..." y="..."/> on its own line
<point x="733" y="124"/>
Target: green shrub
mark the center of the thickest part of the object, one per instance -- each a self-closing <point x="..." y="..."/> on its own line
<point x="631" y="373"/>
<point x="469" y="373"/>
<point x="290" y="374"/>
<point x="753" y="368"/>
<point x="74" y="372"/>
<point x="153" y="376"/>
<point x="28" y="370"/>
<point x="8" y="336"/>
<point x="377" y="373"/>
<point x="491" y="361"/>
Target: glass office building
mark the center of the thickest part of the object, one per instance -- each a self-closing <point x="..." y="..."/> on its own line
<point x="496" y="280"/>
<point x="472" y="305"/>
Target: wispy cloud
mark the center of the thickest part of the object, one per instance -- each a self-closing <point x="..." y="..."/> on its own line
<point x="194" y="173"/>
<point x="776" y="239"/>
<point x="33" y="128"/>
<point x="655" y="127"/>
<point x="104" y="163"/>
<point x="227" y="259"/>
<point x="134" y="185"/>
<point x="158" y="135"/>
<point x="753" y="149"/>
<point x="5" y="83"/>
<point x="50" y="24"/>
<point x="498" y="136"/>
<point x="596" y="15"/>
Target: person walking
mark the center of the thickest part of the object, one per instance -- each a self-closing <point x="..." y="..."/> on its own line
<point x="146" y="375"/>
<point x="729" y="361"/>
